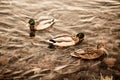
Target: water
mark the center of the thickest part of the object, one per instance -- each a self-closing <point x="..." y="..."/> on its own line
<point x="98" y="19"/>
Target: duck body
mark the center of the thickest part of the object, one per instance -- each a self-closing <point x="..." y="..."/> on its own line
<point x="89" y="53"/>
<point x="64" y="41"/>
<point x="43" y="24"/>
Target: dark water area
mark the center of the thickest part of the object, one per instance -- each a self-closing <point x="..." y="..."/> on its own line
<point x="98" y="19"/>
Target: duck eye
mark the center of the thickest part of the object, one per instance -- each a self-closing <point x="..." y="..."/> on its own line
<point x="31" y="21"/>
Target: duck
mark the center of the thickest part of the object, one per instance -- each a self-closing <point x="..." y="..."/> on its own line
<point x="90" y="53"/>
<point x="36" y="25"/>
<point x="65" y="40"/>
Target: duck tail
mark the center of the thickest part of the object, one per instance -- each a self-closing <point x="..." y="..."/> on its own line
<point x="51" y="40"/>
<point x="51" y="45"/>
<point x="52" y="22"/>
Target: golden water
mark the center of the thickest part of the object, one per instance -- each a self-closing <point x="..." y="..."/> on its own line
<point x="98" y="19"/>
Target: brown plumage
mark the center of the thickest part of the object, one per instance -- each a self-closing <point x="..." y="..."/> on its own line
<point x="90" y="53"/>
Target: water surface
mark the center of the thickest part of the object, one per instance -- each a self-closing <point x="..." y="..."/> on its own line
<point x="98" y="19"/>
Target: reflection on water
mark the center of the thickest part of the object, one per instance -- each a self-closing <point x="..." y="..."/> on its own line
<point x="98" y="19"/>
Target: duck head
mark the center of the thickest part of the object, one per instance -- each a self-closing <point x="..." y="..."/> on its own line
<point x="80" y="36"/>
<point x="32" y="25"/>
<point x="31" y="21"/>
<point x="101" y="46"/>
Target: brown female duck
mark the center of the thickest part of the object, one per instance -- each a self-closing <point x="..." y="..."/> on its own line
<point x="90" y="53"/>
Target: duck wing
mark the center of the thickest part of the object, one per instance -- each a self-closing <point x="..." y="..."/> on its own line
<point x="47" y="21"/>
<point x="64" y="44"/>
<point x="88" y="53"/>
<point x="45" y="24"/>
<point x="63" y="39"/>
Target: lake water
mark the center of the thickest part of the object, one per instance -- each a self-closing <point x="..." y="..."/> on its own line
<point x="98" y="19"/>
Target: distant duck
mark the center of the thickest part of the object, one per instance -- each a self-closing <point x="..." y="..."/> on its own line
<point x="65" y="40"/>
<point x="37" y="25"/>
<point x="90" y="53"/>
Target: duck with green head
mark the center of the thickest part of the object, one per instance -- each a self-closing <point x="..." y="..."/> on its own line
<point x="36" y="25"/>
<point x="65" y="40"/>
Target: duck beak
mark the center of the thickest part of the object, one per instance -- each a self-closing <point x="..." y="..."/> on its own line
<point x="106" y="52"/>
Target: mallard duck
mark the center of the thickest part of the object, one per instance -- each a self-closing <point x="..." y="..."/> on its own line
<point x="90" y="53"/>
<point x="65" y="40"/>
<point x="37" y="25"/>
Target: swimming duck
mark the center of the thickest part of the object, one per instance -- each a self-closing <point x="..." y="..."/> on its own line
<point x="37" y="25"/>
<point x="65" y="40"/>
<point x="90" y="53"/>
